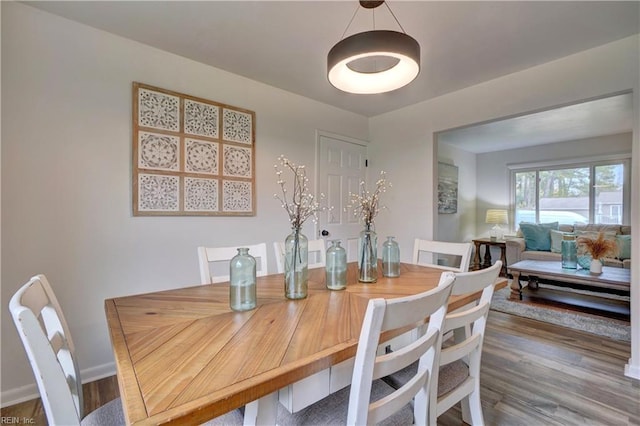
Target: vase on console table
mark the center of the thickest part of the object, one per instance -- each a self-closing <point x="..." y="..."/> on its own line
<point x="584" y="261"/>
<point x="596" y="266"/>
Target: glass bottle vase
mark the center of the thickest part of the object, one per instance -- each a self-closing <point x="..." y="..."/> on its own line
<point x="368" y="256"/>
<point x="242" y="289"/>
<point x="584" y="260"/>
<point x="569" y="252"/>
<point x="296" y="263"/>
<point x="390" y="258"/>
<point x="336" y="267"/>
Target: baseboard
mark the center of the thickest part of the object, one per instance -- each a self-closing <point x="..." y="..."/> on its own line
<point x="100" y="372"/>
<point x="632" y="371"/>
<point x="29" y="392"/>
<point x="18" y="395"/>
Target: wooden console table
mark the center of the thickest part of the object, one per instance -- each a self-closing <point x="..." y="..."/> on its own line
<point x="488" y="242"/>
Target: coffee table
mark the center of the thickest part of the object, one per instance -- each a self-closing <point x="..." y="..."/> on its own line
<point x="618" y="279"/>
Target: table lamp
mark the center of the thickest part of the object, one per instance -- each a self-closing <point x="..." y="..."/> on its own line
<point x="497" y="217"/>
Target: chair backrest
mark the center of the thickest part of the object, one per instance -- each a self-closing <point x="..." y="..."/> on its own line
<point x="463" y="250"/>
<point x="383" y="315"/>
<point x="218" y="258"/>
<point x="468" y="326"/>
<point x="47" y="342"/>
<point x="316" y="248"/>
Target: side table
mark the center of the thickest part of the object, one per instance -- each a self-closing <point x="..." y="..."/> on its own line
<point x="488" y="243"/>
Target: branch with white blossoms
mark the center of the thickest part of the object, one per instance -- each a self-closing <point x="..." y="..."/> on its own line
<point x="366" y="205"/>
<point x="302" y="204"/>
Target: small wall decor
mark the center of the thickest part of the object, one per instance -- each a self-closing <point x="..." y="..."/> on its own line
<point x="447" y="188"/>
<point x="191" y="156"/>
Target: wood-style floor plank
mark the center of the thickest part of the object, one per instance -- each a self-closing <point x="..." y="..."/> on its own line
<point x="533" y="373"/>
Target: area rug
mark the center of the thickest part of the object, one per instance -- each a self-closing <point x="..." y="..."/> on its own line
<point x="614" y="329"/>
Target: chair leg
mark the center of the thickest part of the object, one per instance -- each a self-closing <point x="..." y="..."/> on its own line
<point x="472" y="409"/>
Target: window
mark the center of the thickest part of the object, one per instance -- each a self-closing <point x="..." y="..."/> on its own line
<point x="595" y="192"/>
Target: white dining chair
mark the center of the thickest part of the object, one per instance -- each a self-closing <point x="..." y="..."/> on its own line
<point x="352" y="405"/>
<point x="458" y="378"/>
<point x="430" y="249"/>
<point x="47" y="341"/>
<point x="317" y="251"/>
<point x="217" y="259"/>
<point x="45" y="335"/>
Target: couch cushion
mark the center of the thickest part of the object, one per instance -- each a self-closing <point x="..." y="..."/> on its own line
<point x="556" y="240"/>
<point x="594" y="234"/>
<point x="582" y="248"/>
<point x="540" y="255"/>
<point x="625" y="229"/>
<point x="565" y="228"/>
<point x="598" y="227"/>
<point x="624" y="246"/>
<point x="609" y="261"/>
<point x="537" y="236"/>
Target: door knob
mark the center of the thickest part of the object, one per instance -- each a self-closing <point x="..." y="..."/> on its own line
<point x="324" y="233"/>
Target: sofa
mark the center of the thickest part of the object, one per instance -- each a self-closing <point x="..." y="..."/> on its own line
<point x="517" y="250"/>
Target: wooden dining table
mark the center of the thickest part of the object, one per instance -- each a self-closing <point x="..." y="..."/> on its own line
<point x="183" y="356"/>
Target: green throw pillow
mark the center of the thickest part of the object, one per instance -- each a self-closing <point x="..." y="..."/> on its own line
<point x="537" y="236"/>
<point x="624" y="246"/>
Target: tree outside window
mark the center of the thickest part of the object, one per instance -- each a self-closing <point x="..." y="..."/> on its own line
<point x="571" y="194"/>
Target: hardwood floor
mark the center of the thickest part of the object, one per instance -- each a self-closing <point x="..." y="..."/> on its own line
<point x="533" y="373"/>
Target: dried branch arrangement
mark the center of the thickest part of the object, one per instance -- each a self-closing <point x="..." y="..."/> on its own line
<point x="366" y="205"/>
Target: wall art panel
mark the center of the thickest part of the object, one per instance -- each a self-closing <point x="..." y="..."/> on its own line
<point x="237" y="196"/>
<point x="447" y="188"/>
<point x="191" y="156"/>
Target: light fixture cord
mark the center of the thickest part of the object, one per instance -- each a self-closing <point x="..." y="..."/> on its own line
<point x="373" y="11"/>
<point x="394" y="17"/>
<point x="352" y="18"/>
<point x="373" y="18"/>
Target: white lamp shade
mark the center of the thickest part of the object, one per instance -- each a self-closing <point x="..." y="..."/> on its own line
<point x="497" y="216"/>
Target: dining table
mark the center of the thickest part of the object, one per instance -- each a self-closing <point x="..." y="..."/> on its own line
<point x="184" y="357"/>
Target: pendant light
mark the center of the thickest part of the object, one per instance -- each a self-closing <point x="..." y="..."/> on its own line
<point x="376" y="61"/>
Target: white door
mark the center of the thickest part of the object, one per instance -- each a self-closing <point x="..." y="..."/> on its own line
<point x="341" y="168"/>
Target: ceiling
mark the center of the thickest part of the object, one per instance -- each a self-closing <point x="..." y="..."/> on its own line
<point x="607" y="116"/>
<point x="285" y="43"/>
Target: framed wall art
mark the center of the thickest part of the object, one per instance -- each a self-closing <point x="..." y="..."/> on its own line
<point x="191" y="156"/>
<point x="447" y="188"/>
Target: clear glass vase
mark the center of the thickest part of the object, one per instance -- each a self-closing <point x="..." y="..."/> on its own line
<point x="368" y="256"/>
<point x="336" y="267"/>
<point x="584" y="260"/>
<point x="242" y="272"/>
<point x="296" y="265"/>
<point x="569" y="252"/>
<point x="390" y="258"/>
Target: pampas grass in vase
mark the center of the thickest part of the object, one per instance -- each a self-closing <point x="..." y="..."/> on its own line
<point x="598" y="248"/>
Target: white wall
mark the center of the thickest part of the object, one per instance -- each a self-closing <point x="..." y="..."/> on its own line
<point x="66" y="174"/>
<point x="402" y="141"/>
<point x="66" y="164"/>
<point x="493" y="172"/>
<point x="460" y="226"/>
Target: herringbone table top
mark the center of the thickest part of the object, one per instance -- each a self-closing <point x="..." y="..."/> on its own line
<point x="184" y="355"/>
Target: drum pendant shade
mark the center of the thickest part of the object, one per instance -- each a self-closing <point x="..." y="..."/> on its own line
<point x="376" y="61"/>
